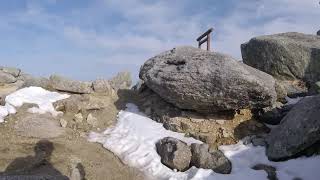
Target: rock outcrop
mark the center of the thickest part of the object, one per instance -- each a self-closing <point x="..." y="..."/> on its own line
<point x="67" y="85"/>
<point x="318" y="33"/>
<point x="174" y="153"/>
<point x="298" y="130"/>
<point x="286" y="56"/>
<point x="214" y="129"/>
<point x="215" y="160"/>
<point x="203" y="81"/>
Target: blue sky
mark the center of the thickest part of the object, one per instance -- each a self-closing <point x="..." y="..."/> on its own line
<point x="86" y="39"/>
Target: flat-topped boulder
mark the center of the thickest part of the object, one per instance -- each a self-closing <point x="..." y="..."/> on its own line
<point x="64" y="84"/>
<point x="286" y="56"/>
<point x="195" y="79"/>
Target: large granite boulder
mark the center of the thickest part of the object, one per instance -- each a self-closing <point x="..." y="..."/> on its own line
<point x="174" y="153"/>
<point x="68" y="85"/>
<point x="286" y="56"/>
<point x="298" y="130"/>
<point x="194" y="79"/>
<point x="216" y="160"/>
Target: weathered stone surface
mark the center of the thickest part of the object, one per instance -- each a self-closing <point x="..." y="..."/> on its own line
<point x="216" y="160"/>
<point x="214" y="129"/>
<point x="194" y="79"/>
<point x="92" y="120"/>
<point x="29" y="80"/>
<point x="121" y="81"/>
<point x="38" y="125"/>
<point x="102" y="86"/>
<point x="68" y="85"/>
<point x="6" y="78"/>
<point x="11" y="70"/>
<point x="298" y="130"/>
<point x="286" y="56"/>
<point x="174" y="153"/>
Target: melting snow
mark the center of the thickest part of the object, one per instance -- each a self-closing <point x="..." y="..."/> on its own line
<point x="133" y="140"/>
<point x="34" y="95"/>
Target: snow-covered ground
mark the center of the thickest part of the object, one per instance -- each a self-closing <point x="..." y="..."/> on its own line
<point x="133" y="140"/>
<point x="35" y="95"/>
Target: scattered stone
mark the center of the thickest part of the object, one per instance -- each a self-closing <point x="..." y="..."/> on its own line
<point x="216" y="160"/>
<point x="298" y="130"/>
<point x="63" y="84"/>
<point x="286" y="56"/>
<point x="194" y="79"/>
<point x="63" y="123"/>
<point x="270" y="170"/>
<point x="6" y="78"/>
<point x="121" y="81"/>
<point x="78" y="118"/>
<point x="174" y="153"/>
<point x="38" y="125"/>
<point x="92" y="120"/>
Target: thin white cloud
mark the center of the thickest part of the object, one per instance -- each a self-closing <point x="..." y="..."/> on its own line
<point x="136" y="30"/>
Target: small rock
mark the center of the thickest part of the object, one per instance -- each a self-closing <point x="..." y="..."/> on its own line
<point x="63" y="123"/>
<point x="270" y="170"/>
<point x="215" y="160"/>
<point x="174" y="153"/>
<point x="6" y="78"/>
<point x="92" y="120"/>
<point x="78" y="118"/>
<point x="63" y="84"/>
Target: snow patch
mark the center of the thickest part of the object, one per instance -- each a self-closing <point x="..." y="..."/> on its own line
<point x="133" y="140"/>
<point x="34" y="95"/>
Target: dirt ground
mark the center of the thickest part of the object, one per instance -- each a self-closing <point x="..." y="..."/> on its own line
<point x="59" y="156"/>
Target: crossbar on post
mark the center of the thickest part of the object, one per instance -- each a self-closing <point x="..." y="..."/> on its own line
<point x="207" y="36"/>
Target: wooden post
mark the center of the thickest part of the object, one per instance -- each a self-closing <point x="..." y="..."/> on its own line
<point x="207" y="36"/>
<point x="209" y="42"/>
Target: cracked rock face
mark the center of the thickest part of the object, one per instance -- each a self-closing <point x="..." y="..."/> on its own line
<point x="203" y="81"/>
